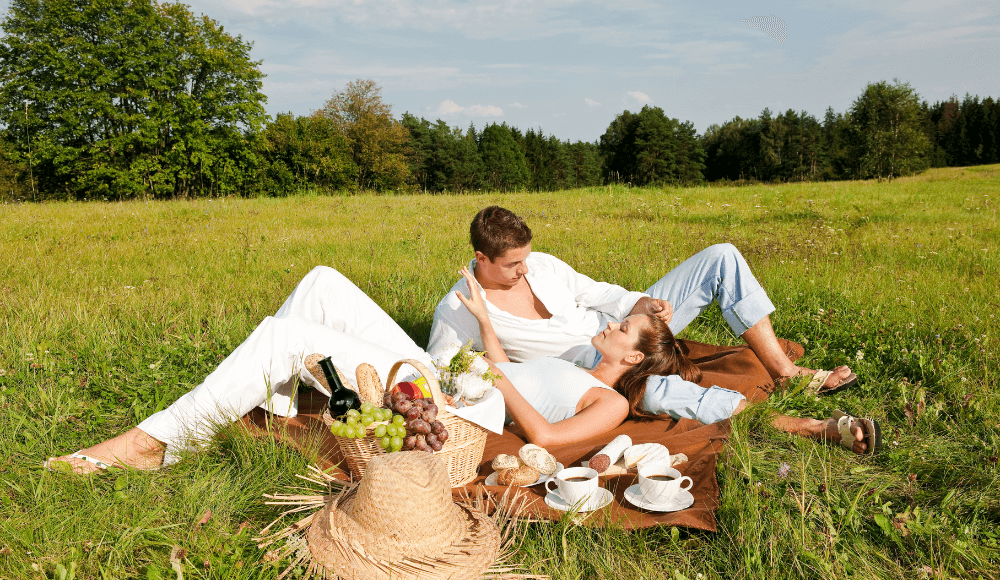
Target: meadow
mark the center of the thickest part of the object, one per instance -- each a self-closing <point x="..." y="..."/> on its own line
<point x="110" y="311"/>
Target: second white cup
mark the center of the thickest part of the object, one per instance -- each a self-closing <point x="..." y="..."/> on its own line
<point x="659" y="483"/>
<point x="574" y="485"/>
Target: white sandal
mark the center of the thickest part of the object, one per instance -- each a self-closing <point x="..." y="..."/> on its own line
<point x="76" y="455"/>
<point x="872" y="432"/>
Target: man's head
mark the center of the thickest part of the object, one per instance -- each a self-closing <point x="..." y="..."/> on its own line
<point x="495" y="230"/>
<point x="502" y="242"/>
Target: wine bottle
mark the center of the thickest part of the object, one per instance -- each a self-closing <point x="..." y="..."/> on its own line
<point x="342" y="399"/>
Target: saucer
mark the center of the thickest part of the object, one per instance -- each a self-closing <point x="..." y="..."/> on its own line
<point x="682" y="500"/>
<point x="491" y="479"/>
<point x="600" y="498"/>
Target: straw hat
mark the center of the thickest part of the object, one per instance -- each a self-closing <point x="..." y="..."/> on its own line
<point x="400" y="522"/>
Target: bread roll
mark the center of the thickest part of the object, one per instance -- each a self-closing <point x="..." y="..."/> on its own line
<point x="504" y="461"/>
<point x="518" y="476"/>
<point x="540" y="459"/>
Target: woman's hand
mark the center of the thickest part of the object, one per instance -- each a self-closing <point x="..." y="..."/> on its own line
<point x="475" y="302"/>
<point x="477" y="306"/>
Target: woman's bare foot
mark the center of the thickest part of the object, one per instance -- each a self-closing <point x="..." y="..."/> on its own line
<point x="134" y="449"/>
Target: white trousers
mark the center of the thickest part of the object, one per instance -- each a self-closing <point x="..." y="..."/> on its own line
<point x="326" y="314"/>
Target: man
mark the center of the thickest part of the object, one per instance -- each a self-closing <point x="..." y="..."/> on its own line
<point x="540" y="306"/>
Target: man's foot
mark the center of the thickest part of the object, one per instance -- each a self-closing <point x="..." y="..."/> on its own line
<point x="133" y="449"/>
<point x="823" y="382"/>
<point x="832" y="433"/>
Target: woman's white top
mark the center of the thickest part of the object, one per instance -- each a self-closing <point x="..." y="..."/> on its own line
<point x="552" y="386"/>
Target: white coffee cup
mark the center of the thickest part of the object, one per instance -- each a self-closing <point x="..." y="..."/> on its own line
<point x="574" y="485"/>
<point x="660" y="483"/>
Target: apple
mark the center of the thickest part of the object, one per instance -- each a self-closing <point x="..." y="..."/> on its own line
<point x="414" y="390"/>
<point x="411" y="390"/>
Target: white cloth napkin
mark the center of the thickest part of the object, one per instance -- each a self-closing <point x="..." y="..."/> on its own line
<point x="488" y="412"/>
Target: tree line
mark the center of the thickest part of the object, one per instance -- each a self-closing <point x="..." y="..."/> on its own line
<point x="120" y="99"/>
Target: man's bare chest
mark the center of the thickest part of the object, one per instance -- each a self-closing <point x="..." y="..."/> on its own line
<point x="519" y="301"/>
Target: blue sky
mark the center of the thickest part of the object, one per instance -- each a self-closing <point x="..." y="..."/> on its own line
<point x="570" y="66"/>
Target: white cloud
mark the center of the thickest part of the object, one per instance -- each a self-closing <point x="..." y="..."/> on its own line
<point x="517" y="105"/>
<point x="511" y="19"/>
<point x="449" y="108"/>
<point x="591" y="102"/>
<point x="696" y="51"/>
<point x="771" y="24"/>
<point x="641" y="98"/>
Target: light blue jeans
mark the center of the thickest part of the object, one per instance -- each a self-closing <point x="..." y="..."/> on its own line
<point x="720" y="274"/>
<point x="716" y="274"/>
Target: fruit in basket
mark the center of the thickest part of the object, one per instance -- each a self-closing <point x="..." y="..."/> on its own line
<point x="408" y="388"/>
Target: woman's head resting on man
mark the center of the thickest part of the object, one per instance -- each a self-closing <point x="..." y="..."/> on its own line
<point x="645" y="346"/>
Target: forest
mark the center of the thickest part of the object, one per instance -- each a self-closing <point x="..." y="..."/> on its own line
<point x="94" y="106"/>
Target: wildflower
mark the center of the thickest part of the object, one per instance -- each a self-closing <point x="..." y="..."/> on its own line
<point x="446" y="355"/>
<point x="783" y="470"/>
<point x="860" y="355"/>
<point x="3" y="373"/>
<point x="152" y="366"/>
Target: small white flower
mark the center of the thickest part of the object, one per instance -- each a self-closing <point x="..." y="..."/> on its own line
<point x="860" y="355"/>
<point x="448" y="353"/>
<point x="3" y="373"/>
<point x="152" y="366"/>
<point x="480" y="366"/>
<point x="471" y="387"/>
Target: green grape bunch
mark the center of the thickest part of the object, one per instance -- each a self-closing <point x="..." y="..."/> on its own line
<point x="389" y="429"/>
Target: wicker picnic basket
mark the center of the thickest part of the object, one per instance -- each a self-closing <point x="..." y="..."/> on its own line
<point x="462" y="452"/>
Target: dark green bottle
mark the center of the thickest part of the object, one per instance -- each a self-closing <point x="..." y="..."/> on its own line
<point x="342" y="399"/>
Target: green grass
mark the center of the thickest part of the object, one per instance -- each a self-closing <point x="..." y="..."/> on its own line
<point x="109" y="312"/>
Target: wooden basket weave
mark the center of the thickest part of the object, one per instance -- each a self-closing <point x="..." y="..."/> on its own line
<point x="462" y="452"/>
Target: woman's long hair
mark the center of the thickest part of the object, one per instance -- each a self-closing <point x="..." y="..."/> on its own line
<point x="661" y="356"/>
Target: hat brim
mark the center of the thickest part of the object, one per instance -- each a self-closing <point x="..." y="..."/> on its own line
<point x="336" y="543"/>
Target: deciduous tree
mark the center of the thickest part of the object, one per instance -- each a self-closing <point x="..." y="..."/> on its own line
<point x="129" y="97"/>
<point x="376" y="140"/>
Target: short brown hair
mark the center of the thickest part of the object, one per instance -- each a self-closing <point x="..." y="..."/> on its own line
<point x="495" y="230"/>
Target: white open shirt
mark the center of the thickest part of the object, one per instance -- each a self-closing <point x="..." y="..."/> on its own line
<point x="580" y="307"/>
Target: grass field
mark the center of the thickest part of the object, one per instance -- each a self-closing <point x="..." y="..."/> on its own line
<point x="108" y="312"/>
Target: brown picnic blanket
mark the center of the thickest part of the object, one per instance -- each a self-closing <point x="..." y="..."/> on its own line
<point x="731" y="367"/>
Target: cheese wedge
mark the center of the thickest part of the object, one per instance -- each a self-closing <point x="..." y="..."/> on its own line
<point x="635" y="453"/>
<point x="660" y="455"/>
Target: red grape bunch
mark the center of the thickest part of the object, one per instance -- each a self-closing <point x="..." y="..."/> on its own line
<point x="419" y="416"/>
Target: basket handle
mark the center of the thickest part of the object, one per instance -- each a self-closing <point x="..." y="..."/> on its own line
<point x="425" y="372"/>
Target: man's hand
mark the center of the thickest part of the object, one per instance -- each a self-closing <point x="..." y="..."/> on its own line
<point x="655" y="306"/>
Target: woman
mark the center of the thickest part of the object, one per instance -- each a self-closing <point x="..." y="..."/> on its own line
<point x="328" y="314"/>
<point x="642" y="346"/>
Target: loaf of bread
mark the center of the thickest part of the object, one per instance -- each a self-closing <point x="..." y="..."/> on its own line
<point x="678" y="459"/>
<point x="610" y="454"/>
<point x="518" y="476"/>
